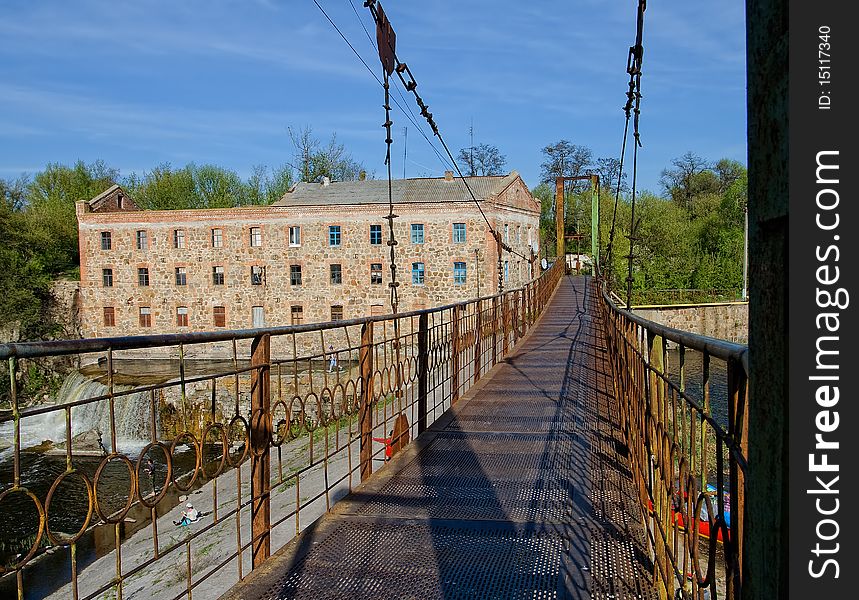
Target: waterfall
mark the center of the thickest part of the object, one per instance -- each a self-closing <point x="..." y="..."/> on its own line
<point x="131" y="415"/>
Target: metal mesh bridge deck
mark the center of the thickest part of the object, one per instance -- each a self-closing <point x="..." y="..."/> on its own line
<point x="521" y="491"/>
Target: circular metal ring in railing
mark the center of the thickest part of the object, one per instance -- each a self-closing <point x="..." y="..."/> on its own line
<point x="338" y="403"/>
<point x="224" y="448"/>
<point x="707" y="578"/>
<point x="378" y="391"/>
<point x="116" y="517"/>
<point x="280" y="427"/>
<point x="168" y="460"/>
<point x="42" y="523"/>
<point x="245" y="443"/>
<point x="310" y="424"/>
<point x="260" y="422"/>
<point x="59" y="540"/>
<point x="324" y="415"/>
<point x="198" y="455"/>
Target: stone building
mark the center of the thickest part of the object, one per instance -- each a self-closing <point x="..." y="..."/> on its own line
<point x="318" y="254"/>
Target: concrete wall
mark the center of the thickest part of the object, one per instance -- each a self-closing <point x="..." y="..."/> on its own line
<point x="728" y="321"/>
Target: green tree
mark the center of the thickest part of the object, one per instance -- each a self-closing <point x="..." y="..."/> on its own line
<point x="312" y="161"/>
<point x="689" y="177"/>
<point x="24" y="280"/>
<point x="264" y="187"/>
<point x="162" y="188"/>
<point x="482" y="159"/>
<point x="50" y="209"/>
<point x="564" y="159"/>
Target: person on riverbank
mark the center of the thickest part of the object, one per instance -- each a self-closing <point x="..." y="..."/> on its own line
<point x="189" y="515"/>
<point x="101" y="442"/>
<point x="332" y="361"/>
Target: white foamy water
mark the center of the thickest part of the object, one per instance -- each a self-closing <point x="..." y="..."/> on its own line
<point x="131" y="415"/>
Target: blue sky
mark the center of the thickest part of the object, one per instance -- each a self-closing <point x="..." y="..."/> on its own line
<point x="141" y="83"/>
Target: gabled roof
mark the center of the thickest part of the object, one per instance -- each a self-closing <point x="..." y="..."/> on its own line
<point x="404" y="191"/>
<point x="106" y="201"/>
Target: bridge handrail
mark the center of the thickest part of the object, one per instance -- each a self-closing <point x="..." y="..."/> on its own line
<point x="387" y="376"/>
<point x="722" y="349"/>
<point x="689" y="464"/>
<point x="39" y="349"/>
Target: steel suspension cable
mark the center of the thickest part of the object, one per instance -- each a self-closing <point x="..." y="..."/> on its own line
<point x="379" y="81"/>
<point x="411" y="85"/>
<point x="636" y="55"/>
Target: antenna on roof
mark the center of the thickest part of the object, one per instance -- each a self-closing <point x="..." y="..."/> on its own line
<point x="405" y="148"/>
<point x="471" y="149"/>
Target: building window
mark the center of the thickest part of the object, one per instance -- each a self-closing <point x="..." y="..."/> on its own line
<point x="144" y="316"/>
<point x="105" y="240"/>
<point x="376" y="273"/>
<point x="459" y="233"/>
<point x="182" y="316"/>
<point x="336" y="274"/>
<point x="295" y="235"/>
<point x="109" y="316"/>
<point x="219" y="316"/>
<point x="257" y="317"/>
<point x="333" y="235"/>
<point x="256" y="237"/>
<point x="417" y="233"/>
<point x="418" y="273"/>
<point x="337" y="312"/>
<point x="459" y="273"/>
<point x="143" y="276"/>
<point x="506" y="270"/>
<point x="295" y="274"/>
<point x="257" y="275"/>
<point x="107" y="277"/>
<point x="518" y="234"/>
<point x="297" y="315"/>
<point x="217" y="238"/>
<point x="376" y="235"/>
<point x="218" y="275"/>
<point x="141" y="237"/>
<point x="178" y="238"/>
<point x="181" y="276"/>
<point x="507" y="233"/>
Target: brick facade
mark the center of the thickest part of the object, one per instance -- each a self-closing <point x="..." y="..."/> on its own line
<point x="260" y="275"/>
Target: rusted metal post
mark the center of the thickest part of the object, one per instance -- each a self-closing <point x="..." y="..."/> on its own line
<point x="505" y="325"/>
<point x="524" y="306"/>
<point x="260" y="444"/>
<point x="494" y="330"/>
<point x="559" y="218"/>
<point x="479" y="334"/>
<point x="514" y="318"/>
<point x="365" y="416"/>
<point x="738" y="416"/>
<point x="454" y="355"/>
<point x="423" y="370"/>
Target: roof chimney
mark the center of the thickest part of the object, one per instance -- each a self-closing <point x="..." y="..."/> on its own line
<point x="448" y="175"/>
<point x="325" y="182"/>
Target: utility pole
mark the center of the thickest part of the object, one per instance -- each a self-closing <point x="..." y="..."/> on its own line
<point x="471" y="148"/>
<point x="745" y="295"/>
<point x="477" y="269"/>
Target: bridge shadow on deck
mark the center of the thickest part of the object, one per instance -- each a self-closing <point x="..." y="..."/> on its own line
<point x="521" y="491"/>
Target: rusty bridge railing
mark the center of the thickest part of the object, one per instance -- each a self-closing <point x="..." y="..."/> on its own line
<point x="687" y="441"/>
<point x="261" y="430"/>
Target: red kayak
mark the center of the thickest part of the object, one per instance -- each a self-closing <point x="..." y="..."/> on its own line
<point x="703" y="518"/>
